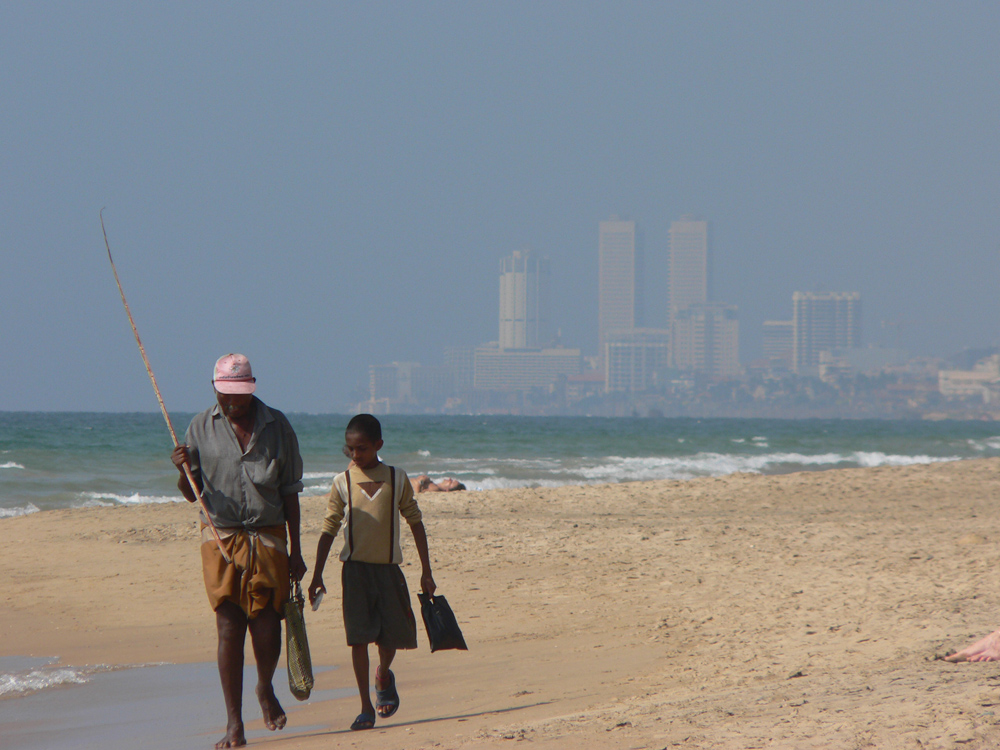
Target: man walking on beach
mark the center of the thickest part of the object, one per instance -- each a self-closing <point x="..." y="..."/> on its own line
<point x="245" y="459"/>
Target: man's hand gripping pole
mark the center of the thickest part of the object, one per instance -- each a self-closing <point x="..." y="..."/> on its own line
<point x="159" y="398"/>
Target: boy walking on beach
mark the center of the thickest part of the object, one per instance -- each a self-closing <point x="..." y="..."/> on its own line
<point x="366" y="500"/>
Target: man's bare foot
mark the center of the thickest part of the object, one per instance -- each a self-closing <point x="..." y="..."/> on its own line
<point x="274" y="714"/>
<point x="986" y="649"/>
<point x="234" y="737"/>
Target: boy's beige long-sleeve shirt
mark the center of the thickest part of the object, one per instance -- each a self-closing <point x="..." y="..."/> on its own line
<point x="370" y="523"/>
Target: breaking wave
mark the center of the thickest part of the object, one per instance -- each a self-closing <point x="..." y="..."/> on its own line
<point x="991" y="443"/>
<point x="486" y="474"/>
<point x="108" y="499"/>
<point x="12" y="512"/>
<point x="40" y="678"/>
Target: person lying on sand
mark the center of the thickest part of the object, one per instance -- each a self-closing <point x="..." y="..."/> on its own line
<point x="985" y="649"/>
<point x="423" y="483"/>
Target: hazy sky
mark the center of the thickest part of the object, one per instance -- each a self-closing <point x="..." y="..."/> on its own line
<point x="323" y="186"/>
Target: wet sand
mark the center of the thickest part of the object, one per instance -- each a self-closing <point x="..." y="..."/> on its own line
<point x="791" y="611"/>
<point x="113" y="709"/>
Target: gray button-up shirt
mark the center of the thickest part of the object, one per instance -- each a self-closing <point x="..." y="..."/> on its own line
<point x="245" y="489"/>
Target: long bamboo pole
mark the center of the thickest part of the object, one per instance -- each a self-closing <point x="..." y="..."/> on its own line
<point x="159" y="398"/>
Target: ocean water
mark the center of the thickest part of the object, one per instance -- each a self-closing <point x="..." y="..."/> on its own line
<point x="65" y="460"/>
<point x="158" y="706"/>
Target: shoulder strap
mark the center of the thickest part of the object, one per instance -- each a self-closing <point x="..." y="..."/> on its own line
<point x="392" y="511"/>
<point x="350" y="516"/>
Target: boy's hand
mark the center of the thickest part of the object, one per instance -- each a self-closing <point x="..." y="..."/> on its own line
<point x="315" y="588"/>
<point x="427" y="584"/>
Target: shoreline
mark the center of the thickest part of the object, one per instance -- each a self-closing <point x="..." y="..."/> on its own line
<point x="748" y="610"/>
<point x="767" y="466"/>
<point x="114" y="701"/>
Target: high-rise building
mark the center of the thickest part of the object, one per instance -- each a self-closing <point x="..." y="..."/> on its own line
<point x="706" y="339"/>
<point x="497" y="369"/>
<point x="619" y="303"/>
<point x="458" y="360"/>
<point x="524" y="303"/>
<point x="636" y="361"/>
<point x="688" y="266"/>
<point x="822" y="322"/>
<point x="778" y="346"/>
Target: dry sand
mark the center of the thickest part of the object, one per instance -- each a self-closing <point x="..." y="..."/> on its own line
<point x="793" y="611"/>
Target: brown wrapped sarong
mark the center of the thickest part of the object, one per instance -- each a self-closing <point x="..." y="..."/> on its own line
<point x="258" y="575"/>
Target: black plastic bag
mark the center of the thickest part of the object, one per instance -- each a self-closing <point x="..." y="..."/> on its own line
<point x="442" y="627"/>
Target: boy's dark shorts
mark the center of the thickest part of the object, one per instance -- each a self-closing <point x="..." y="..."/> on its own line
<point x="377" y="606"/>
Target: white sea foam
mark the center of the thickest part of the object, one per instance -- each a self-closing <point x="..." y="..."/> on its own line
<point x="509" y="484"/>
<point x="17" y="682"/>
<point x="95" y="503"/>
<point x="317" y="482"/>
<point x="622" y="469"/>
<point x="473" y="466"/>
<point x="990" y="443"/>
<point x="314" y="490"/>
<point x="499" y="473"/>
<point x="98" y="499"/>
<point x="625" y="469"/>
<point x="423" y="453"/>
<point x="881" y="459"/>
<point x="482" y="465"/>
<point x="11" y="465"/>
<point x="11" y="512"/>
<point x="33" y="680"/>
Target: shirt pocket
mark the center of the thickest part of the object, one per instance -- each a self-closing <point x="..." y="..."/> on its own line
<point x="262" y="470"/>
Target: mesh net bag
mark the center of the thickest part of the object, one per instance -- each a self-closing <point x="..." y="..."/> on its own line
<point x="300" y="673"/>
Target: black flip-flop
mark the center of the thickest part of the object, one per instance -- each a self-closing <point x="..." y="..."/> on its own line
<point x="364" y="721"/>
<point x="387" y="697"/>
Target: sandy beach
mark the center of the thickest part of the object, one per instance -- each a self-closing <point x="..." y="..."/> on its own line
<point x="799" y="611"/>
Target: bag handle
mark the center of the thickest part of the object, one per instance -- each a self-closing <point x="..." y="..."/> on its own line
<point x="350" y="516"/>
<point x="392" y="511"/>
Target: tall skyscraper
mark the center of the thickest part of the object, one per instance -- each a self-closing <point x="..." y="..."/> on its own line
<point x="619" y="304"/>
<point x="524" y="303"/>
<point x="688" y="267"/>
<point x="823" y="321"/>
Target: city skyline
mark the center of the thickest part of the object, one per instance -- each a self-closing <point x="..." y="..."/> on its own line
<point x="361" y="172"/>
<point x="635" y="361"/>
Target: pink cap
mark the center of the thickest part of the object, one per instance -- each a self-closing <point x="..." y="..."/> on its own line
<point x="233" y="375"/>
